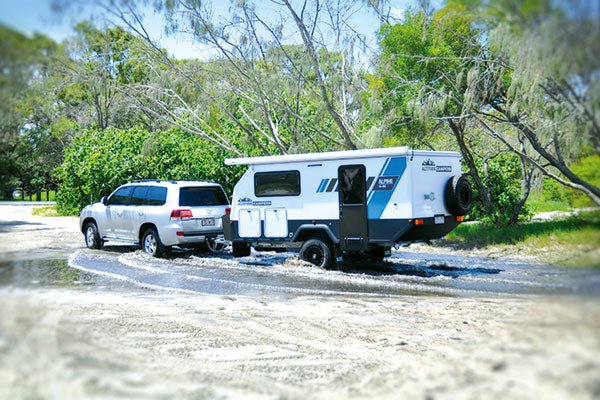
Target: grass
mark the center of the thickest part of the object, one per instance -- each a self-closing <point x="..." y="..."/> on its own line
<point x="573" y="240"/>
<point x="538" y="204"/>
<point x="47" y="211"/>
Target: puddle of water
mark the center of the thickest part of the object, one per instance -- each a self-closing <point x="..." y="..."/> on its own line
<point x="282" y="275"/>
<point x="27" y="273"/>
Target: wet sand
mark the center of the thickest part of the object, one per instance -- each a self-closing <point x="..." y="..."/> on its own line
<point x="114" y="340"/>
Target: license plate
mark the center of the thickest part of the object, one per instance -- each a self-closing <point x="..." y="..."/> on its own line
<point x="208" y="222"/>
<point x="438" y="220"/>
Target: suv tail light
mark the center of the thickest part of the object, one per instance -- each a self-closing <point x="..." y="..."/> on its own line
<point x="228" y="211"/>
<point x="181" y="214"/>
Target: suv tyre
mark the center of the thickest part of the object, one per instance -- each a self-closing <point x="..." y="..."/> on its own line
<point x="92" y="237"/>
<point x="151" y="243"/>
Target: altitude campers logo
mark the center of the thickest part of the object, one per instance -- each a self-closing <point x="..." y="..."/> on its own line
<point x="429" y="165"/>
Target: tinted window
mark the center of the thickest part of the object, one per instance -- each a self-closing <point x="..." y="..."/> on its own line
<point x="284" y="183"/>
<point x="156" y="196"/>
<point x="202" y="196"/>
<point x="121" y="196"/>
<point x="352" y="185"/>
<point x="138" y="196"/>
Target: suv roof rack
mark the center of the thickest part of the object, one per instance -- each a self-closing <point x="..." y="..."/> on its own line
<point x="153" y="180"/>
<point x="173" y="181"/>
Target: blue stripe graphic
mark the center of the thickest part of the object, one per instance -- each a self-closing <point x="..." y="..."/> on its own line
<point x="387" y="160"/>
<point x="323" y="185"/>
<point x="379" y="199"/>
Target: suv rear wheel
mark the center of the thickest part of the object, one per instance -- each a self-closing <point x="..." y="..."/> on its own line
<point x="151" y="243"/>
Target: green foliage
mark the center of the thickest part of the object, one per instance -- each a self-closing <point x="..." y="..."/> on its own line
<point x="99" y="161"/>
<point x="503" y="180"/>
<point x="538" y="204"/>
<point x="588" y="168"/>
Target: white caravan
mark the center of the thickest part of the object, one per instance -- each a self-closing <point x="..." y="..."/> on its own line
<point x="346" y="203"/>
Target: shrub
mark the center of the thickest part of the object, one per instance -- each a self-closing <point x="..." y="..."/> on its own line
<point x="98" y="161"/>
<point x="504" y="182"/>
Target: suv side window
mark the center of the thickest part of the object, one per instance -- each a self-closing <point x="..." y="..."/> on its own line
<point x="156" y="196"/>
<point x="138" y="196"/>
<point x="120" y="197"/>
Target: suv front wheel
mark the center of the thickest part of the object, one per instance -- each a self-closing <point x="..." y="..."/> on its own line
<point x="151" y="243"/>
<point x="92" y="237"/>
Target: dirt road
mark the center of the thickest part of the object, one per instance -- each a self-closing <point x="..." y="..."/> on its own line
<point x="79" y="333"/>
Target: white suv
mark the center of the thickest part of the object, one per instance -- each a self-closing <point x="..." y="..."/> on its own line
<point x="157" y="215"/>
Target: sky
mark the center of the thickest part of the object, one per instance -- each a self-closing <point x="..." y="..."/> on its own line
<point x="29" y="16"/>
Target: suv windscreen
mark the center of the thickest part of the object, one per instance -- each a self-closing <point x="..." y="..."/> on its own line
<point x="202" y="196"/>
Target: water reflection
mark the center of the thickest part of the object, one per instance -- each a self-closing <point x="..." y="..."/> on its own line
<point x="57" y="273"/>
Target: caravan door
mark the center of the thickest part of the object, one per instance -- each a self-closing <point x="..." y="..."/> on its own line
<point x="354" y="229"/>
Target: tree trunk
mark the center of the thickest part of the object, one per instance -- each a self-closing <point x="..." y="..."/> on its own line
<point x="526" y="177"/>
<point x="470" y="161"/>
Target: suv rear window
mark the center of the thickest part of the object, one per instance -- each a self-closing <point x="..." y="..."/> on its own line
<point x="202" y="196"/>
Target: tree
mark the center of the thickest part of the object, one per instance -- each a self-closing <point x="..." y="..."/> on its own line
<point x="29" y="148"/>
<point x="508" y="80"/>
<point x="548" y="60"/>
<point x="421" y="66"/>
<point x="98" y="60"/>
<point x="266" y="66"/>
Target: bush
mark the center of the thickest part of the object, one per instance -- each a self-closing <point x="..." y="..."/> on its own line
<point x="504" y="180"/>
<point x="98" y="161"/>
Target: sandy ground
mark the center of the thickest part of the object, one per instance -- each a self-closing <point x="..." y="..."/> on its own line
<point x="136" y="343"/>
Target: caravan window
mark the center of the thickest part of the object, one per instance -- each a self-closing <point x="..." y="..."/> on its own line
<point x="281" y="183"/>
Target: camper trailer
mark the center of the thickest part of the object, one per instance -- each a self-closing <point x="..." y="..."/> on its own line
<point x="356" y="203"/>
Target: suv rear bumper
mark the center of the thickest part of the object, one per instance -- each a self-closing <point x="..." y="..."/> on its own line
<point x="175" y="235"/>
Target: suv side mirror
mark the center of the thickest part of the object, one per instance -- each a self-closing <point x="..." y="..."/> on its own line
<point x="104" y="200"/>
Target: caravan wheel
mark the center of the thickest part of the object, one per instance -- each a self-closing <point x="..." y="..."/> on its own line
<point x="317" y="252"/>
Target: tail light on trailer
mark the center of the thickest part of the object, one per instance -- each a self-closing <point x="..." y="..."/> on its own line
<point x="181" y="214"/>
<point x="460" y="218"/>
<point x="419" y="221"/>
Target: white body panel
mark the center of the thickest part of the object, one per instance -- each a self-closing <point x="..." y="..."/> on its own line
<point x="249" y="222"/>
<point x="276" y="223"/>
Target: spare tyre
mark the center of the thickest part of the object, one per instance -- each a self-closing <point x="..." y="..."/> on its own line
<point x="458" y="195"/>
